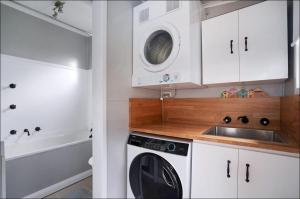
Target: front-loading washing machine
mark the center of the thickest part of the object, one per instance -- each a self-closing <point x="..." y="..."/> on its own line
<point x="158" y="167"/>
<point x="167" y="44"/>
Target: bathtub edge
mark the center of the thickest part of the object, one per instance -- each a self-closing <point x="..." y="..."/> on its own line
<point x="47" y="149"/>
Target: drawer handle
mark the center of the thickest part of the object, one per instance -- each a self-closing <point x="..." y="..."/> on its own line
<point x="247" y="173"/>
<point x="231" y="46"/>
<point x="228" y="168"/>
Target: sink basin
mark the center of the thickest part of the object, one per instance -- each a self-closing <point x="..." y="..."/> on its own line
<point x="252" y="134"/>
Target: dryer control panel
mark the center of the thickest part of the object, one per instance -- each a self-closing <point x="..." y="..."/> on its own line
<point x="166" y="146"/>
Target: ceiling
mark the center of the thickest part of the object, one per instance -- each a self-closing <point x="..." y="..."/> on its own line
<point x="75" y="13"/>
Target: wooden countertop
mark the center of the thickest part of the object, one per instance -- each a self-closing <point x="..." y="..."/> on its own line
<point x="196" y="132"/>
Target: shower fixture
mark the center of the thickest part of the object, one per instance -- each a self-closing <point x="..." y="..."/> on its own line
<point x="58" y="8"/>
<point x="27" y="131"/>
<point x="12" y="85"/>
<point x="12" y="106"/>
<point x="37" y="128"/>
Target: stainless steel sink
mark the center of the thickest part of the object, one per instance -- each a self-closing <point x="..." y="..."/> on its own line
<point x="252" y="134"/>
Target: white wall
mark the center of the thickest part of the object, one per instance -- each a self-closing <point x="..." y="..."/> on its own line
<point x="273" y="89"/>
<point x="119" y="70"/>
<point x="53" y="97"/>
<point x="99" y="99"/>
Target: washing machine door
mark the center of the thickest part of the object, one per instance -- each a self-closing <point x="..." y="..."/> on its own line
<point x="159" y="47"/>
<point x="151" y="176"/>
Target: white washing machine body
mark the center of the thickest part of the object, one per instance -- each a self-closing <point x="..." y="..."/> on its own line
<point x="141" y="158"/>
<point x="167" y="44"/>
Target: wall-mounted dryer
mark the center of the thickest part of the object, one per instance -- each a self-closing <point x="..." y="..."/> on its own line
<point x="167" y="44"/>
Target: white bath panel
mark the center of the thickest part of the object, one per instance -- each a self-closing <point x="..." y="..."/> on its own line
<point x="53" y="97"/>
<point x="58" y="186"/>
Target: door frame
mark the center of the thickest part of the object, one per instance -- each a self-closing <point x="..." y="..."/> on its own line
<point x="99" y="51"/>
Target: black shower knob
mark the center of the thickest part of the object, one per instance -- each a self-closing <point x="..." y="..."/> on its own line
<point x="12" y="85"/>
<point x="12" y="106"/>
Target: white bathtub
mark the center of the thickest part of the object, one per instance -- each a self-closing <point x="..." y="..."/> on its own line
<point x="42" y="142"/>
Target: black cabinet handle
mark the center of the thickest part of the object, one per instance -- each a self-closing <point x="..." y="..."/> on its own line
<point x="247" y="173"/>
<point x="231" y="45"/>
<point x="246" y="43"/>
<point x="228" y="168"/>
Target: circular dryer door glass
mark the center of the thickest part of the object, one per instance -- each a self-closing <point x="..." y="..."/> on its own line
<point x="158" y="47"/>
<point x="151" y="176"/>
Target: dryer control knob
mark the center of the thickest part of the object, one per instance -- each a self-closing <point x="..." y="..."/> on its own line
<point x="166" y="77"/>
<point x="171" y="147"/>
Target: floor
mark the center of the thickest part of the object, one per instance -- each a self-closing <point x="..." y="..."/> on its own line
<point x="81" y="189"/>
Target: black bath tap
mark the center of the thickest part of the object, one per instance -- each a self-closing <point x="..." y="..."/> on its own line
<point x="27" y="131"/>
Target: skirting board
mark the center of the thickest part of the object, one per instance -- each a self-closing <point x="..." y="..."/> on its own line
<point x="60" y="185"/>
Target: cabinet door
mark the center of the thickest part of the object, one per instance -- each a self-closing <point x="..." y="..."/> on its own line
<point x="220" y="49"/>
<point x="263" y="41"/>
<point x="269" y="175"/>
<point x="212" y="175"/>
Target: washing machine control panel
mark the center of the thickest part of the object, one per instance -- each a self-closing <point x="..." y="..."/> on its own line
<point x="169" y="78"/>
<point x="159" y="145"/>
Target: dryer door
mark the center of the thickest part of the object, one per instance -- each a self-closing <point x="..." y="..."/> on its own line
<point x="159" y="47"/>
<point x="151" y="176"/>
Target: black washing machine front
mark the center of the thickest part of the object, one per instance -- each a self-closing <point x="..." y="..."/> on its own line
<point x="151" y="176"/>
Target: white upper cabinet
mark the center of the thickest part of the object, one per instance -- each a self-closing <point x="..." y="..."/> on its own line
<point x="258" y="36"/>
<point x="269" y="175"/>
<point x="263" y="41"/>
<point x="220" y="49"/>
<point x="214" y="168"/>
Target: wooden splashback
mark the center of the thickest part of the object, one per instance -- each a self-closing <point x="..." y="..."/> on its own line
<point x="206" y="111"/>
<point x="144" y="111"/>
<point x="211" y="111"/>
<point x="290" y="116"/>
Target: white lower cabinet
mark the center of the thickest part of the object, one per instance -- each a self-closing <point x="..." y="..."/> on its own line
<point x="249" y="174"/>
<point x="269" y="175"/>
<point x="212" y="175"/>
